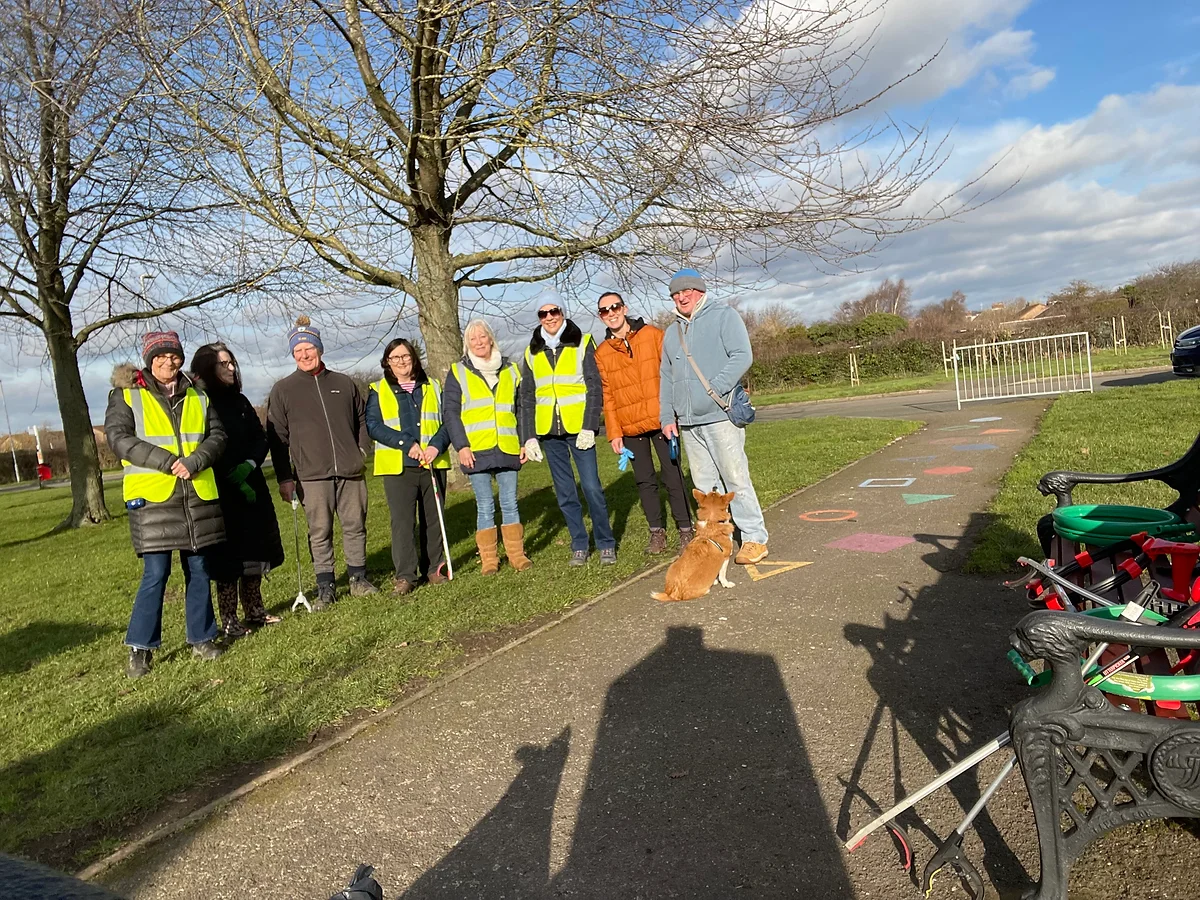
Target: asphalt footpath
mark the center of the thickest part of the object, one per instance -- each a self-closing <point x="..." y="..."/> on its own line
<point x="719" y="748"/>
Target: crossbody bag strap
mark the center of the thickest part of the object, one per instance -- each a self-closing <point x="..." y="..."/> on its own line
<point x="696" y="369"/>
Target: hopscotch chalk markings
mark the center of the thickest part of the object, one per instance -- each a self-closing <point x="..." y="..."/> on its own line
<point x="887" y="482"/>
<point x="828" y="515"/>
<point x="969" y="447"/>
<point x="866" y="542"/>
<point x="779" y="567"/>
<point x="949" y="470"/>
<point x="988" y="419"/>
<point x="1000" y="431"/>
<point x="914" y="499"/>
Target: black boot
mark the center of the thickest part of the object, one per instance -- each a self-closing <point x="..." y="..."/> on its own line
<point x="139" y="662"/>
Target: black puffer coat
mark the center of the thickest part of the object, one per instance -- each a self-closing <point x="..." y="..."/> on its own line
<point x="183" y="521"/>
<point x="252" y="543"/>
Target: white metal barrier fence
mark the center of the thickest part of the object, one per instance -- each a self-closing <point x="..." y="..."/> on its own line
<point x="1028" y="367"/>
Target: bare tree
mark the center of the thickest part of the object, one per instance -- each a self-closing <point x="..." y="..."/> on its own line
<point x="439" y="146"/>
<point x="893" y="297"/>
<point x="942" y="319"/>
<point x="95" y="209"/>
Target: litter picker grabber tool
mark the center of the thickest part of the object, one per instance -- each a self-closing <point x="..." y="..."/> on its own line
<point x="1132" y="612"/>
<point x="950" y="852"/>
<point x="437" y="501"/>
<point x="300" y="600"/>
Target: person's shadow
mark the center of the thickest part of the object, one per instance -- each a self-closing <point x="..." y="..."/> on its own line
<point x="699" y="786"/>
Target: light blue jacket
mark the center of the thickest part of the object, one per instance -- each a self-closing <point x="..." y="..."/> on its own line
<point x="720" y="345"/>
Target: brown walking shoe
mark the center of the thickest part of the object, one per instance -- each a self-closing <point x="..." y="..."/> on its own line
<point x="437" y="576"/>
<point x="658" y="541"/>
<point x="402" y="586"/>
<point x="750" y="553"/>
<point x="685" y="537"/>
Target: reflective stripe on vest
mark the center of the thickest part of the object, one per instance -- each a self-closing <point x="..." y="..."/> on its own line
<point x="152" y="424"/>
<point x="562" y="385"/>
<point x="489" y="419"/>
<point x="389" y="460"/>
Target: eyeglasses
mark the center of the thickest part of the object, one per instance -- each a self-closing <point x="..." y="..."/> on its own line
<point x="399" y="357"/>
<point x="552" y="311"/>
<point x="227" y="363"/>
<point x="605" y="310"/>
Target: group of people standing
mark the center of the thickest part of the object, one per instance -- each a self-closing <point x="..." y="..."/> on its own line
<point x="193" y="447"/>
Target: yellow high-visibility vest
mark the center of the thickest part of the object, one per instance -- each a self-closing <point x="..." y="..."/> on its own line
<point x="389" y="460"/>
<point x="561" y="384"/>
<point x="489" y="419"/>
<point x="153" y="425"/>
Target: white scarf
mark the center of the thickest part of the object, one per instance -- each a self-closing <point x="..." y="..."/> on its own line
<point x="552" y="340"/>
<point x="489" y="368"/>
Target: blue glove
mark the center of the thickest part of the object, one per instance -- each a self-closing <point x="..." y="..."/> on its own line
<point x="626" y="456"/>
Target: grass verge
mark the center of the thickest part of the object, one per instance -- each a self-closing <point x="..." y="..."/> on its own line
<point x="1119" y="430"/>
<point x="1102" y="361"/>
<point x="86" y="756"/>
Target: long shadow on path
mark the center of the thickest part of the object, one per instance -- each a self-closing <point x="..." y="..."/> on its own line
<point x="699" y="786"/>
<point x="941" y="676"/>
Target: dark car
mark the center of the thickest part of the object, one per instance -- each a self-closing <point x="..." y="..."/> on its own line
<point x="1185" y="355"/>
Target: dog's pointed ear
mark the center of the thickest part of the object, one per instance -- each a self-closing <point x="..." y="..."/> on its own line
<point x="728" y="498"/>
<point x="698" y="494"/>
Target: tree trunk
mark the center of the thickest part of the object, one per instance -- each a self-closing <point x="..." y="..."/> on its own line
<point x="437" y="309"/>
<point x="87" y="486"/>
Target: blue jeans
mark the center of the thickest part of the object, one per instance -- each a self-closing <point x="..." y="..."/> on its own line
<point x="485" y="503"/>
<point x="145" y="622"/>
<point x="558" y="454"/>
<point x="717" y="458"/>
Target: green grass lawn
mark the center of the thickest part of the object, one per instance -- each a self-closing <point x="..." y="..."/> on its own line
<point x="1102" y="361"/>
<point x="1120" y="430"/>
<point x="86" y="754"/>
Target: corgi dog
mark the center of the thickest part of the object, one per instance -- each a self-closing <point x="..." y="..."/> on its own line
<point x="704" y="561"/>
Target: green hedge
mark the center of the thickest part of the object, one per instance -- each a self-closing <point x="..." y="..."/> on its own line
<point x="909" y="357"/>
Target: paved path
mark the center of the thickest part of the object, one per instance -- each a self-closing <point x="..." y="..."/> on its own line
<point x="712" y="749"/>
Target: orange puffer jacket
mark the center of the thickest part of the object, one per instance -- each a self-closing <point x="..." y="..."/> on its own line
<point x="629" y="372"/>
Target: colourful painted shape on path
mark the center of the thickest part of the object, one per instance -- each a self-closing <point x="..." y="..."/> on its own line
<point x="887" y="482"/>
<point x="976" y="447"/>
<point x="828" y="515"/>
<point x="1000" y="431"/>
<point x="914" y="499"/>
<point x="914" y="458"/>
<point x="958" y="428"/>
<point x="776" y="567"/>
<point x="949" y="470"/>
<point x="942" y="442"/>
<point x="988" y="419"/>
<point x="870" y="543"/>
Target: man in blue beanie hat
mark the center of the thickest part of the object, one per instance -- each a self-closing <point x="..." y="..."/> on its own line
<point x="708" y="342"/>
<point x="317" y="429"/>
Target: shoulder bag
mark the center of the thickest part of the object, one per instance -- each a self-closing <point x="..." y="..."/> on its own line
<point x="737" y="405"/>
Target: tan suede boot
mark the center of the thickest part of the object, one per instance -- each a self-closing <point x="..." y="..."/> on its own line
<point x="514" y="546"/>
<point x="486" y="542"/>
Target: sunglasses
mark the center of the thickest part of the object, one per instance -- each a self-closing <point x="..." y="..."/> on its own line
<point x="605" y="310"/>
<point x="552" y="311"/>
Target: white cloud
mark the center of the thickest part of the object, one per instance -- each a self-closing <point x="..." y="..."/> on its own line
<point x="1103" y="198"/>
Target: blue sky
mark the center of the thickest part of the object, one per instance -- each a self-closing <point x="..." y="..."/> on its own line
<point x="1088" y="114"/>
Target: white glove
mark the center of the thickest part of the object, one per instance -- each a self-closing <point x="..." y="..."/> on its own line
<point x="533" y="450"/>
<point x="585" y="440"/>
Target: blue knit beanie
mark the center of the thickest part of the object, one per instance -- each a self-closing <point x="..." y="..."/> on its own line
<point x="304" y="332"/>
<point x="687" y="279"/>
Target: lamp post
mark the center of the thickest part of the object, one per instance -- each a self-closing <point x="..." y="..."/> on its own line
<point x="12" y="445"/>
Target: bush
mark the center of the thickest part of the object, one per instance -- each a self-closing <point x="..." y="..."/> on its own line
<point x="877" y="326"/>
<point x="907" y="357"/>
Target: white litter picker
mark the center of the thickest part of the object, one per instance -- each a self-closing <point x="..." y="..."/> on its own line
<point x="300" y="600"/>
